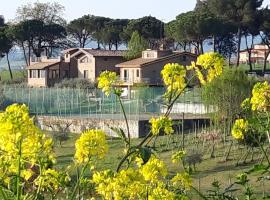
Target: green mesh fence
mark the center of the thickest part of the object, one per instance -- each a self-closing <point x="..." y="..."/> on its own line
<point x="91" y="102"/>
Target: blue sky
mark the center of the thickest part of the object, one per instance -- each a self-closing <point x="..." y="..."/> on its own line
<point x="164" y="10"/>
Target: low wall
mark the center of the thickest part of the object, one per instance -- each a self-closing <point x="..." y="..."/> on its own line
<point x="138" y="128"/>
<point x="78" y="125"/>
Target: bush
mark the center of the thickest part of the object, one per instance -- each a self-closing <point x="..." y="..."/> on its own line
<point x="2" y="97"/>
<point x="227" y="92"/>
<point x="75" y="83"/>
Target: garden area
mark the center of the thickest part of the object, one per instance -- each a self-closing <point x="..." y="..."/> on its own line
<point x="226" y="160"/>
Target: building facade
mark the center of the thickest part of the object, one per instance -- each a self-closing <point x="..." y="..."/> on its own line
<point x="147" y="69"/>
<point x="258" y="54"/>
<point x="75" y="63"/>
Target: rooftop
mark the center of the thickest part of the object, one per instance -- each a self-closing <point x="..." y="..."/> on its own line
<point x="140" y="62"/>
<point x="42" y="65"/>
<point x="99" y="52"/>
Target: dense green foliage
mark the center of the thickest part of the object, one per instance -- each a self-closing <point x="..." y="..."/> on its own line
<point x="76" y="83"/>
<point x="136" y="45"/>
<point x="227" y="92"/>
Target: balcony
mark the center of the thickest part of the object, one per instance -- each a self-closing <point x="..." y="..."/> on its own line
<point x="35" y="60"/>
<point x="129" y="81"/>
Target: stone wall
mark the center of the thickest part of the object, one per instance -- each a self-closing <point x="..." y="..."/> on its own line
<point x="78" y="125"/>
<point x="138" y="128"/>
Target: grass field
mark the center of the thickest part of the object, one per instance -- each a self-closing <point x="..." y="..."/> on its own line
<point x="17" y="74"/>
<point x="209" y="170"/>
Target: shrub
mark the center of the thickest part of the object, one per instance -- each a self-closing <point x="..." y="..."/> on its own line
<point x="227" y="92"/>
<point x="75" y="83"/>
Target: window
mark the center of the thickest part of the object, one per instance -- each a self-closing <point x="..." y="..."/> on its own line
<point x="66" y="74"/>
<point x="125" y="74"/>
<point x="105" y="59"/>
<point x="85" y="73"/>
<point x="137" y="73"/>
<point x="34" y="74"/>
<point x="42" y="73"/>
<point x="184" y="58"/>
<point x="54" y="73"/>
<point x="86" y="60"/>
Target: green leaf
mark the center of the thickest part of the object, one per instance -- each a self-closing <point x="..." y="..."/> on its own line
<point x="120" y="134"/>
<point x="145" y="153"/>
<point x="258" y="168"/>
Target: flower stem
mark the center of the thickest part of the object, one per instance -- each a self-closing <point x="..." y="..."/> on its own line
<point x="18" y="181"/>
<point x="78" y="181"/>
<point x="125" y="116"/>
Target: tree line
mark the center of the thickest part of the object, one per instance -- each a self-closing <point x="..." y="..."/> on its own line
<point x="39" y="29"/>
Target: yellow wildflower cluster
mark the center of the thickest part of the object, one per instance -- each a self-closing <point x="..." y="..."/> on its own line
<point x="174" y="77"/>
<point x="154" y="170"/>
<point x="182" y="181"/>
<point x="106" y="81"/>
<point x="161" y="123"/>
<point x="260" y="99"/>
<point x="146" y="182"/>
<point x="92" y="143"/>
<point x="246" y="104"/>
<point x="51" y="180"/>
<point x="21" y="139"/>
<point x="178" y="156"/>
<point x="208" y="66"/>
<point x="240" y="127"/>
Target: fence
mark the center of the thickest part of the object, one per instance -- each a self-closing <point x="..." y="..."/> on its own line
<point x="91" y="102"/>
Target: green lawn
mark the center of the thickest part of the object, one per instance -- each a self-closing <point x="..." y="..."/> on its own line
<point x="17" y="74"/>
<point x="208" y="170"/>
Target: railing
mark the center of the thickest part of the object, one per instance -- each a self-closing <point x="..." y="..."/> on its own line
<point x="135" y="80"/>
<point x="44" y="59"/>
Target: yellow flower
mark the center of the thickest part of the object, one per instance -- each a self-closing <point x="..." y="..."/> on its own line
<point x="51" y="180"/>
<point x="161" y="123"/>
<point x="92" y="143"/>
<point x="182" y="181"/>
<point x="20" y="137"/>
<point x="177" y="157"/>
<point x="240" y="127"/>
<point x="208" y="66"/>
<point x="153" y="170"/>
<point x="106" y="81"/>
<point x="160" y="193"/>
<point x="174" y="78"/>
<point x="260" y="99"/>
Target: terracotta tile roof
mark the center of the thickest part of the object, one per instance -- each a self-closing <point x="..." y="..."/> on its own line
<point x="112" y="53"/>
<point x="42" y="65"/>
<point x="140" y="62"/>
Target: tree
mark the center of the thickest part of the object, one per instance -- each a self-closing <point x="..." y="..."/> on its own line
<point x="237" y="12"/>
<point x="177" y="34"/>
<point x="99" y="25"/>
<point x="111" y="34"/>
<point x="265" y="33"/>
<point x="5" y="46"/>
<point x="49" y="13"/>
<point x="220" y="93"/>
<point x="37" y="37"/>
<point x="135" y="46"/>
<point x="81" y="30"/>
<point x="150" y="28"/>
<point x="226" y="46"/>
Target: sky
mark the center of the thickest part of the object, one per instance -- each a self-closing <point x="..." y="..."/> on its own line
<point x="164" y="10"/>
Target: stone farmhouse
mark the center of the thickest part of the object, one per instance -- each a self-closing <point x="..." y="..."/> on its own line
<point x="75" y="63"/>
<point x="258" y="53"/>
<point x="89" y="63"/>
<point x="147" y="69"/>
